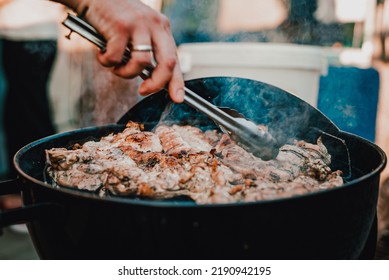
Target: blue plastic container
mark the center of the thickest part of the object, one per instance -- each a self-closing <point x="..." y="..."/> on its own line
<point x="349" y="97"/>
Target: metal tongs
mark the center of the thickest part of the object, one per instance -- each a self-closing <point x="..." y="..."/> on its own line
<point x="244" y="132"/>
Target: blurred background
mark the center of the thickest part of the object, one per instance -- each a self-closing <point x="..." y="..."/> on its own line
<point x="332" y="53"/>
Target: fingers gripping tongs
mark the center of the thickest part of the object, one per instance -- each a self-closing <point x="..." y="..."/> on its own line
<point x="244" y="132"/>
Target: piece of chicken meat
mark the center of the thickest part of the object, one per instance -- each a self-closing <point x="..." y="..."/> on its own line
<point x="208" y="167"/>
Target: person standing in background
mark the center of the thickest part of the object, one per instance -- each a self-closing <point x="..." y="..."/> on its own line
<point x="28" y="32"/>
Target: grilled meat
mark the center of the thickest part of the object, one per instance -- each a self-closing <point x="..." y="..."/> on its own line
<point x="182" y="160"/>
<point x="182" y="139"/>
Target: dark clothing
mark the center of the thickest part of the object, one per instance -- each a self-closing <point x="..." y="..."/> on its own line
<point x="303" y="10"/>
<point x="27" y="117"/>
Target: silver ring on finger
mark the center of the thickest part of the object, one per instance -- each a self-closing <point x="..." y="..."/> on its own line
<point x="141" y="48"/>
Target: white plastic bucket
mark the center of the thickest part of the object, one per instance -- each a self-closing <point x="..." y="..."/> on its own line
<point x="294" y="68"/>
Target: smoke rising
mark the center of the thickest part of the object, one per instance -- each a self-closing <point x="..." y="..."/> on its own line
<point x="287" y="117"/>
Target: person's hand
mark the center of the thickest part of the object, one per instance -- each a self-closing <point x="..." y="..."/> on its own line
<point x="131" y="23"/>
